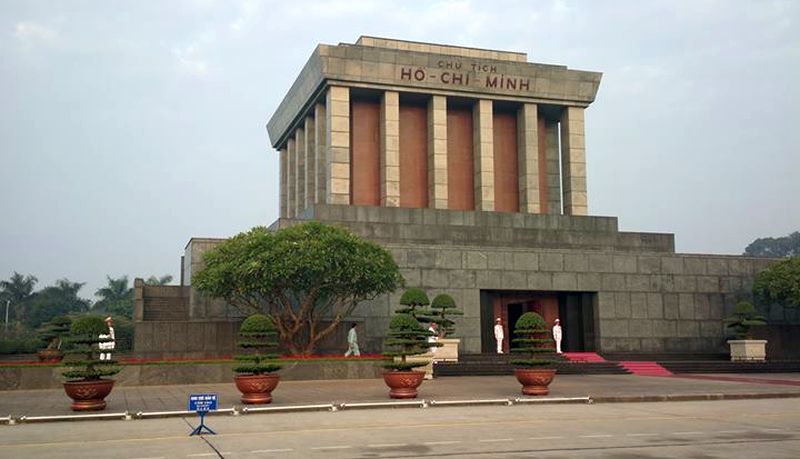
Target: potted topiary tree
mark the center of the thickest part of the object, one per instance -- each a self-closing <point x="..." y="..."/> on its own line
<point x="744" y="347"/>
<point x="533" y="338"/>
<point x="255" y="380"/>
<point x="52" y="333"/>
<point x="443" y="307"/>
<point x="406" y="338"/>
<point x="413" y="302"/>
<point x="85" y="372"/>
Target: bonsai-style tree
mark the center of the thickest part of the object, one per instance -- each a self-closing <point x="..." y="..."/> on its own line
<point x="532" y="335"/>
<point x="743" y="318"/>
<point x="443" y="307"/>
<point x="413" y="303"/>
<point x="83" y="358"/>
<point x="257" y="334"/>
<point x="406" y="337"/>
<point x="53" y="332"/>
<point x="300" y="276"/>
<point x="780" y="283"/>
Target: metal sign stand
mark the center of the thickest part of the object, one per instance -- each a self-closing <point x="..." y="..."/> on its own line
<point x="202" y="404"/>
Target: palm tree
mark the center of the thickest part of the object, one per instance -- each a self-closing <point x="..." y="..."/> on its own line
<point x="116" y="297"/>
<point x="17" y="289"/>
<point x="163" y="280"/>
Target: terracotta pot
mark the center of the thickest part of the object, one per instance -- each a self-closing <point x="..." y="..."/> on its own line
<point x="50" y="355"/>
<point x="88" y="395"/>
<point x="403" y="384"/>
<point x="256" y="389"/>
<point x="535" y="380"/>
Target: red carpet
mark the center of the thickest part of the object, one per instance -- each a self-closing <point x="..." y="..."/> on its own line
<point x="645" y="368"/>
<point x="583" y="357"/>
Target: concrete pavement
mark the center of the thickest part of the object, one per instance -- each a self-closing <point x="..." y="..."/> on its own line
<point x="601" y="388"/>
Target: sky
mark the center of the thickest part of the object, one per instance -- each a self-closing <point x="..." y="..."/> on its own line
<point x="128" y="127"/>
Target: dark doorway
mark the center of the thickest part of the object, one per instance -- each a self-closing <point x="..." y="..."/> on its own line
<point x="515" y="310"/>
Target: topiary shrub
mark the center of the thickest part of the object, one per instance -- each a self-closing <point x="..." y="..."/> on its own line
<point x="82" y="360"/>
<point x="413" y="303"/>
<point x="443" y="307"/>
<point x="53" y="332"/>
<point x="533" y="337"/>
<point x="406" y="337"/>
<point x="743" y="318"/>
<point x="258" y="336"/>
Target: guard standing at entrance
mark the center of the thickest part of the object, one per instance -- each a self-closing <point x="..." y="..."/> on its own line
<point x="499" y="334"/>
<point x="557" y="336"/>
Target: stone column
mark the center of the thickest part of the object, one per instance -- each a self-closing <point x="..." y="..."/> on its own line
<point x="528" y="158"/>
<point x="309" y="180"/>
<point x="437" y="152"/>
<point x="553" y="168"/>
<point x="291" y="182"/>
<point x="390" y="149"/>
<point x="337" y="120"/>
<point x="320" y="147"/>
<point x="483" y="144"/>
<point x="283" y="179"/>
<point x="573" y="161"/>
<point x="300" y="170"/>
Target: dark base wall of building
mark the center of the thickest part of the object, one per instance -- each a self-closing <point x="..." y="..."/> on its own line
<point x="646" y="298"/>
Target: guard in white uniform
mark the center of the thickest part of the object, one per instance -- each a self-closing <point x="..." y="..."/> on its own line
<point x="557" y="335"/>
<point x="499" y="334"/>
<point x="107" y="346"/>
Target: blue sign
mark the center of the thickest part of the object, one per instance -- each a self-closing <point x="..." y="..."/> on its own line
<point x="202" y="402"/>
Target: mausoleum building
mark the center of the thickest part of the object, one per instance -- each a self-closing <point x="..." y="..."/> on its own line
<point x="469" y="165"/>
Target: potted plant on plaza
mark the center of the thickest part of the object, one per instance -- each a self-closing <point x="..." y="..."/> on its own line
<point x="52" y="333"/>
<point x="443" y="307"/>
<point x="744" y="347"/>
<point x="533" y="337"/>
<point x="255" y="380"/>
<point x="86" y="374"/>
<point x="406" y="338"/>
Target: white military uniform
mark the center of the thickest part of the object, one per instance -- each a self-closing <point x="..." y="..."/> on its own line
<point x="557" y="336"/>
<point x="499" y="334"/>
<point x="433" y="338"/>
<point x="352" y="343"/>
<point x="106" y="346"/>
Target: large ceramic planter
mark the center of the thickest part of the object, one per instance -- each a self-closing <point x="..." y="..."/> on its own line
<point x="449" y="350"/>
<point x="403" y="384"/>
<point x="535" y="380"/>
<point x="748" y="350"/>
<point x="256" y="389"/>
<point x="88" y="395"/>
<point x="50" y="355"/>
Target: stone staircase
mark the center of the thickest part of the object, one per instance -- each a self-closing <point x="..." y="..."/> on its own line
<point x="498" y="364"/>
<point x="726" y="366"/>
<point x="644" y="368"/>
<point x="166" y="308"/>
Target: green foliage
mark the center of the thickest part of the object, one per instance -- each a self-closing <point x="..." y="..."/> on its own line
<point x="123" y="331"/>
<point x="17" y="291"/>
<point x="533" y="337"/>
<point x="82" y="360"/>
<point x="257" y="334"/>
<point x="443" y="307"/>
<point x="19" y="342"/>
<point x="406" y="337"/>
<point x="299" y="276"/>
<point x="52" y="332"/>
<point x="59" y="299"/>
<point x="787" y="246"/>
<point x="743" y="318"/>
<point x="413" y="303"/>
<point x="780" y="283"/>
<point x="163" y="280"/>
<point x="116" y="298"/>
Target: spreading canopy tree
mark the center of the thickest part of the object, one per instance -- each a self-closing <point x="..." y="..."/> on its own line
<point x="307" y="278"/>
<point x="786" y="246"/>
<point x="780" y="283"/>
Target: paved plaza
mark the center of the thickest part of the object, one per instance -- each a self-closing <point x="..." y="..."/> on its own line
<point x="601" y="388"/>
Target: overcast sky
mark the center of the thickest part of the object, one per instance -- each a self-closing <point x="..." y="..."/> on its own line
<point x="128" y="127"/>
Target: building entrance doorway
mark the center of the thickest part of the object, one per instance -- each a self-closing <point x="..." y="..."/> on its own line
<point x="574" y="309"/>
